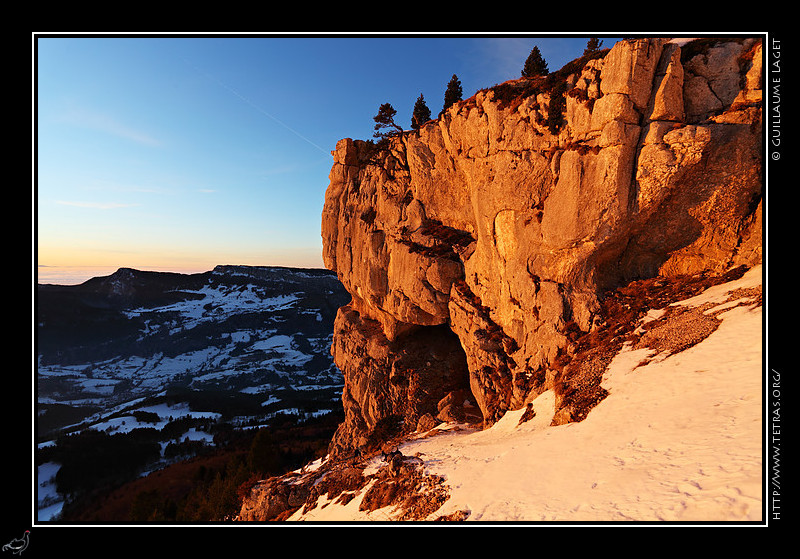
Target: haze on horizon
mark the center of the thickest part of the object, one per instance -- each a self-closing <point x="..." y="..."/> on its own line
<point x="176" y="153"/>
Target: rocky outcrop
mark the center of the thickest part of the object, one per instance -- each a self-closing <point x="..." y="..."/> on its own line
<point x="477" y="246"/>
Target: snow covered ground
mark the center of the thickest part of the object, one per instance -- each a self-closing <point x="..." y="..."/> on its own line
<point x="677" y="439"/>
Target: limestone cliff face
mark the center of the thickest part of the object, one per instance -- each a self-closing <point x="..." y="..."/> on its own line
<point x="472" y="247"/>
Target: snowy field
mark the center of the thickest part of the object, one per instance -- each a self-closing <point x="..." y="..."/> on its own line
<point x="678" y="439"/>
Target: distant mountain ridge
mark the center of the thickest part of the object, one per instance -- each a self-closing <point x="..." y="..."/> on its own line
<point x="137" y="333"/>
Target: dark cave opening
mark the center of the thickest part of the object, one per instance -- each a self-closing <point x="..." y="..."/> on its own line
<point x="433" y="365"/>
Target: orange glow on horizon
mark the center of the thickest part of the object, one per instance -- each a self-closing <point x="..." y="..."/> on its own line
<point x="52" y="261"/>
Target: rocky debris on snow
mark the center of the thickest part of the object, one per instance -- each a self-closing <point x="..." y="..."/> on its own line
<point x="393" y="480"/>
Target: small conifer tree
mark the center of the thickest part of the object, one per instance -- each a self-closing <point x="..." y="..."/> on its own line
<point x="453" y="92"/>
<point x="385" y="119"/>
<point x="421" y="114"/>
<point x="592" y="46"/>
<point x="535" y="65"/>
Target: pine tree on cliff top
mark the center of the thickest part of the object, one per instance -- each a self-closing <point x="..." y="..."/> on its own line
<point x="534" y="65"/>
<point x="385" y="119"/>
<point x="421" y="114"/>
<point x="592" y="46"/>
<point x="453" y="93"/>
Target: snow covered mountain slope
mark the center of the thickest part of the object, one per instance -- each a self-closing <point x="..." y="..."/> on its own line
<point x="678" y="438"/>
<point x="181" y="359"/>
<point x="260" y="332"/>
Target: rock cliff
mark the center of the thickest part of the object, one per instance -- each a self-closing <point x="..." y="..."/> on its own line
<point x="478" y="249"/>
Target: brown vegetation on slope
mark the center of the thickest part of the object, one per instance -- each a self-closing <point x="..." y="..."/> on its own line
<point x="579" y="370"/>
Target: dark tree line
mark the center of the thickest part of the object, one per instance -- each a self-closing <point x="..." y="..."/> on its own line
<point x="534" y="66"/>
<point x="99" y="471"/>
<point x="217" y="493"/>
<point x="93" y="458"/>
<point x="420" y="114"/>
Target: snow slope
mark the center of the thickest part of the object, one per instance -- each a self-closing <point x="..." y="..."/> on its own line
<point x="678" y="439"/>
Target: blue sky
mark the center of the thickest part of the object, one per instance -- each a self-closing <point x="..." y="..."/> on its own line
<point x="181" y="153"/>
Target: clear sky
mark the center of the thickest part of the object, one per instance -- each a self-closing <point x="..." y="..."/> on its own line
<point x="180" y="153"/>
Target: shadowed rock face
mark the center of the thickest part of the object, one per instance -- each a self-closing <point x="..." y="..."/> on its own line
<point x="392" y="383"/>
<point x="477" y="242"/>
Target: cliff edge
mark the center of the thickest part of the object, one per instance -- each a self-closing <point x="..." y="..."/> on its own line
<point x="479" y="250"/>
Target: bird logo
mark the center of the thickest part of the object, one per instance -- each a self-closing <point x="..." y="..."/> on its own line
<point x="18" y="545"/>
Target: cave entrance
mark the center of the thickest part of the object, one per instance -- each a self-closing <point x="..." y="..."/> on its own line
<point x="433" y="363"/>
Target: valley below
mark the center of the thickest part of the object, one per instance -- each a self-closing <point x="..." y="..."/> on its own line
<point x="139" y="371"/>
